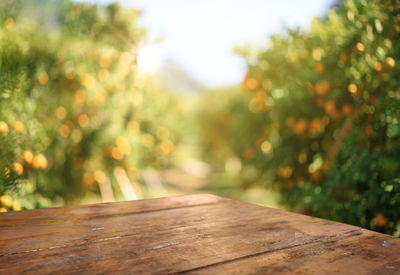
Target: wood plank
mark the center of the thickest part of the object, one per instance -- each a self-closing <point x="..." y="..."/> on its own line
<point x="198" y="233"/>
<point x="357" y="253"/>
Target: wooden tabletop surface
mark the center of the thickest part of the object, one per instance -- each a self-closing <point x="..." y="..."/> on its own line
<point x="202" y="234"/>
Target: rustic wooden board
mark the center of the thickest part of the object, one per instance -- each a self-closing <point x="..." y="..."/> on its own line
<point x="202" y="234"/>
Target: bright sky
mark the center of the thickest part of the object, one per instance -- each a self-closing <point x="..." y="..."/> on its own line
<point x="200" y="35"/>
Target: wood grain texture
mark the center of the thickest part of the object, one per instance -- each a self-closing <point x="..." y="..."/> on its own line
<point x="202" y="234"/>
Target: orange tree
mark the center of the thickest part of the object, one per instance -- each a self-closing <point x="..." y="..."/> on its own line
<point x="74" y="107"/>
<point x="330" y="100"/>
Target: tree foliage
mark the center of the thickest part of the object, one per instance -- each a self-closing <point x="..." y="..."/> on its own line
<point x="73" y="106"/>
<point x="330" y="99"/>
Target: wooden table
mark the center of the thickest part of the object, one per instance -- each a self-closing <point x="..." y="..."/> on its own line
<point x="202" y="234"/>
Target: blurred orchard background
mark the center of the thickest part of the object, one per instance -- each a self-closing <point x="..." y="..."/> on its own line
<point x="306" y="119"/>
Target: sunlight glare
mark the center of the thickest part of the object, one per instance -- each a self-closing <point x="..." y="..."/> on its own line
<point x="149" y="59"/>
